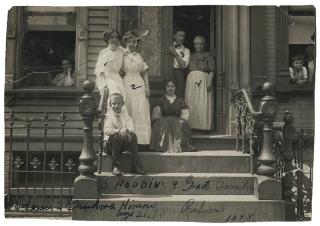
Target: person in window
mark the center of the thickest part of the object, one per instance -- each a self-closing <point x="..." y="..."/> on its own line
<point x="108" y="65"/>
<point x="298" y="73"/>
<point x="136" y="83"/>
<point x="171" y="131"/>
<point x="199" y="86"/>
<point x="66" y="78"/>
<point x="181" y="60"/>
<point x="310" y="57"/>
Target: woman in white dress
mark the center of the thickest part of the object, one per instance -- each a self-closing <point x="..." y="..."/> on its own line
<point x="108" y="65"/>
<point x="198" y="94"/>
<point x="136" y="83"/>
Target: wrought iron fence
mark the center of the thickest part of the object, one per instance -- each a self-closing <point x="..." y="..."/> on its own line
<point x="39" y="181"/>
<point x="287" y="145"/>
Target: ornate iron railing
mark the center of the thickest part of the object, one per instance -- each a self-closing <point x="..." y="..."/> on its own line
<point x="257" y="127"/>
<point x="297" y="186"/>
<point x="39" y="181"/>
<point x="280" y="148"/>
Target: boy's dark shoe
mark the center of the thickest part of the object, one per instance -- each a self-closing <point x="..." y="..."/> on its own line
<point x="116" y="171"/>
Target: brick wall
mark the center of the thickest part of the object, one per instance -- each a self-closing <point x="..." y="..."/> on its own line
<point x="302" y="108"/>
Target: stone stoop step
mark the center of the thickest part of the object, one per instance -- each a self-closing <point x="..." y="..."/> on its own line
<point x="214" y="142"/>
<point x="177" y="184"/>
<point x="204" y="161"/>
<point x="195" y="208"/>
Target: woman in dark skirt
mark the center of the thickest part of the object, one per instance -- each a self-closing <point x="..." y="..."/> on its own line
<point x="170" y="128"/>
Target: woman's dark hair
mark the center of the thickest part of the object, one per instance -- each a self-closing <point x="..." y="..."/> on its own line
<point x="107" y="34"/>
<point x="130" y="34"/>
<point x="169" y="80"/>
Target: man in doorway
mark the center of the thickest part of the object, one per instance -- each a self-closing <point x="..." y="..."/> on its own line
<point x="181" y="59"/>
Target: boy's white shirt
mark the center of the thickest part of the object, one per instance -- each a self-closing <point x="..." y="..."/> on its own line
<point x="112" y="124"/>
<point x="304" y="72"/>
<point x="184" y="53"/>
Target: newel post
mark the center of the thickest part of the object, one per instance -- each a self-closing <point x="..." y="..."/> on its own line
<point x="289" y="135"/>
<point x="86" y="182"/>
<point x="268" y="187"/>
<point x="269" y="109"/>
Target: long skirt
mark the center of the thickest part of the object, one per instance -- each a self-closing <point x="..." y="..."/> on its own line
<point x="171" y="134"/>
<point x="138" y="106"/>
<point x="199" y="100"/>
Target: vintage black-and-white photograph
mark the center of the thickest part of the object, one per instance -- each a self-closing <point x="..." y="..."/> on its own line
<point x="195" y="113"/>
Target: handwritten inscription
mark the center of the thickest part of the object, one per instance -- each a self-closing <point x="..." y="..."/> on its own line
<point x="178" y="185"/>
<point x="29" y="205"/>
<point x="125" y="210"/>
<point x="189" y="207"/>
<point x="190" y="184"/>
<point x="131" y="208"/>
<point x="133" y="87"/>
<point x="240" y="217"/>
<point x="220" y="184"/>
<point x="198" y="83"/>
<point x="96" y="205"/>
<point x="143" y="184"/>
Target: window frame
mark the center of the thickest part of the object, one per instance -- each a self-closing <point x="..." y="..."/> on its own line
<point x="80" y="61"/>
<point x="283" y="60"/>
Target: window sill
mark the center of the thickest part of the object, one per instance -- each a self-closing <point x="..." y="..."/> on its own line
<point x="47" y="92"/>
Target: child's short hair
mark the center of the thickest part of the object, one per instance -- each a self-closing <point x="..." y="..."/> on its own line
<point x="297" y="57"/>
<point x="116" y="95"/>
<point x="177" y="29"/>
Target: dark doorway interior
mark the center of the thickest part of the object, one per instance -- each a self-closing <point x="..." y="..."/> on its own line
<point x="195" y="20"/>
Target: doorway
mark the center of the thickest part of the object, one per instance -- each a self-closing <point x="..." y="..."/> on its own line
<point x="199" y="20"/>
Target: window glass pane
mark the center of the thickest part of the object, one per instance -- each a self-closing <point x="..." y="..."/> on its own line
<point x="50" y="18"/>
<point x="44" y="58"/>
<point x="47" y="9"/>
<point x="60" y="20"/>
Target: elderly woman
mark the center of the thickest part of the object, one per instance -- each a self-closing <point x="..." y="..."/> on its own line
<point x="198" y="94"/>
<point x="171" y="131"/>
<point x="109" y="63"/>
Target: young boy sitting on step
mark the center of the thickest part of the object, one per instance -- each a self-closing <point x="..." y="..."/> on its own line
<point x="119" y="134"/>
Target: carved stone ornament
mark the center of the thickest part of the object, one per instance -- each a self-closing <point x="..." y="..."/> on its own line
<point x="82" y="34"/>
<point x="18" y="162"/>
<point x="269" y="109"/>
<point x="53" y="164"/>
<point x="87" y="107"/>
<point x="35" y="163"/>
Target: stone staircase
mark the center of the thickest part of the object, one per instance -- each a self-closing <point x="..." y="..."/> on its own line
<point x="211" y="185"/>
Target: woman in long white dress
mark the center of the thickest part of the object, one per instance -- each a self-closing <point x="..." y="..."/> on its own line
<point x="108" y="65"/>
<point x="198" y="94"/>
<point x="136" y="83"/>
